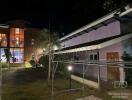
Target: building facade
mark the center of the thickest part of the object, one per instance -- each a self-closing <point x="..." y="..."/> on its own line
<point x="17" y="42"/>
<point x="105" y="39"/>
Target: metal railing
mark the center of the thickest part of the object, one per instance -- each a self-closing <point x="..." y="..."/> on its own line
<point x="85" y="65"/>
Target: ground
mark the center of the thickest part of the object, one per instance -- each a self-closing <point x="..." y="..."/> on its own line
<point x="31" y="84"/>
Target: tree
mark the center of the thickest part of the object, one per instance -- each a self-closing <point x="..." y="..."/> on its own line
<point x="7" y="55"/>
<point x="111" y="5"/>
<point x="128" y="77"/>
<point x="47" y="41"/>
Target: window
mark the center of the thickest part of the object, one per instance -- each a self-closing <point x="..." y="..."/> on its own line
<point x="2" y="55"/>
<point x="17" y="55"/>
<point x="3" y="40"/>
<point x="93" y="57"/>
<point x="17" y="30"/>
<point x="16" y="37"/>
<point x="16" y="45"/>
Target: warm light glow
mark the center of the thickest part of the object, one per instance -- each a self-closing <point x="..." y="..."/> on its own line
<point x="17" y="30"/>
<point x="69" y="68"/>
<point x="3" y="39"/>
<point x="16" y="34"/>
<point x="17" y="42"/>
<point x="28" y="65"/>
<point x="55" y="47"/>
<point x="44" y="49"/>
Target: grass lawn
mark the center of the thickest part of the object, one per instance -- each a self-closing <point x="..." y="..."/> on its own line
<point x="31" y="84"/>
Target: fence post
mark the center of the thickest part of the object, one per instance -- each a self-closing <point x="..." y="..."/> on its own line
<point x="99" y="76"/>
<point x="83" y="78"/>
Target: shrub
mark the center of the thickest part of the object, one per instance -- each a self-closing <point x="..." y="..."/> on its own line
<point x="128" y="71"/>
<point x="4" y="65"/>
<point x="33" y="63"/>
<point x="61" y="69"/>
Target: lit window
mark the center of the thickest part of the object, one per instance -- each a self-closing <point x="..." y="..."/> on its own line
<point x="17" y="30"/>
<point x="3" y="40"/>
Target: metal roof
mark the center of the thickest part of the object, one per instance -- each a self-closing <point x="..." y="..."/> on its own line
<point x="96" y="22"/>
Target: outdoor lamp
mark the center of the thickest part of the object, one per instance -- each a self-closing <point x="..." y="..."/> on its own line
<point x="69" y="68"/>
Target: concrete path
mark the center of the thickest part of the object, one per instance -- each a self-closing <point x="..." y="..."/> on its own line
<point x="92" y="97"/>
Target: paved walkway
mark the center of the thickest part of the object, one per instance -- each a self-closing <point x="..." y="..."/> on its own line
<point x="92" y="97"/>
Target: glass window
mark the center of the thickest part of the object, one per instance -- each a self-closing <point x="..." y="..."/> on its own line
<point x="93" y="57"/>
<point x="17" y="30"/>
<point x="16" y="37"/>
<point x="2" y="55"/>
<point x="3" y="40"/>
<point x="17" y="55"/>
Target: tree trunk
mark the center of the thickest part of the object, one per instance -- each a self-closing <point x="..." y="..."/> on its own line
<point x="49" y="69"/>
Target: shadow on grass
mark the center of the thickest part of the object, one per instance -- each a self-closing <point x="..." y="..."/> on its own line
<point x="25" y="75"/>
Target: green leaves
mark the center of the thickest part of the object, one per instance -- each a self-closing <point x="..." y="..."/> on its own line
<point x="47" y="39"/>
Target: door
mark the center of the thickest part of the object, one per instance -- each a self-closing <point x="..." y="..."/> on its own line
<point x="113" y="69"/>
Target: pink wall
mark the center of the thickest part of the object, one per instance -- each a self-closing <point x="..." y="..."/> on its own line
<point x="118" y="47"/>
<point x="111" y="29"/>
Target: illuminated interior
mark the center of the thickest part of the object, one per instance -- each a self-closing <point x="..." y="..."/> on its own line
<point x="2" y="55"/>
<point x="17" y="55"/>
<point x="3" y="44"/>
<point x="17" y="45"/>
<point x="3" y="40"/>
<point x="16" y="37"/>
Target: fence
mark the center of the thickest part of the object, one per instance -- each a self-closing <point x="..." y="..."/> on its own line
<point x="103" y="75"/>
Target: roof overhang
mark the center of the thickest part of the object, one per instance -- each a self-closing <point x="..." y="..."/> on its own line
<point x="97" y="47"/>
<point x="4" y="26"/>
<point x="96" y="22"/>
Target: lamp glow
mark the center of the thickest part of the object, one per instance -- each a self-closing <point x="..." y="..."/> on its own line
<point x="69" y="68"/>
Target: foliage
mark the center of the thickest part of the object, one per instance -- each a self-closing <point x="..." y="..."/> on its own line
<point x="111" y="5"/>
<point x="128" y="71"/>
<point x="7" y="54"/>
<point x="47" y="38"/>
<point x="27" y="86"/>
<point x="44" y="61"/>
<point x="61" y="69"/>
<point x="3" y="65"/>
<point x="33" y="63"/>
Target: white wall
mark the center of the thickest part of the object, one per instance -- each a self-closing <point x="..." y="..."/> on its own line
<point x="111" y="29"/>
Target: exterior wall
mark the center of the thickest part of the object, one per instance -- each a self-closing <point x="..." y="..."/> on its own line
<point x="102" y="56"/>
<point x="111" y="29"/>
<point x="118" y="47"/>
<point x="92" y="71"/>
<point x="30" y="44"/>
<point x="24" y="39"/>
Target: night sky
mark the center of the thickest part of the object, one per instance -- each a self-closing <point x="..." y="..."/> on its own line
<point x="64" y="16"/>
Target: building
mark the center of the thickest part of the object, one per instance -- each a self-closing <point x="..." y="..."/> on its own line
<point x="18" y="41"/>
<point x="105" y="39"/>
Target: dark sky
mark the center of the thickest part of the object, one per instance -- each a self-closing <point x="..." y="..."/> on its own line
<point x="65" y="15"/>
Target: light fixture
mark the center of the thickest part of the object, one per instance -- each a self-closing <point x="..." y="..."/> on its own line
<point x="69" y="68"/>
<point x="55" y="47"/>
